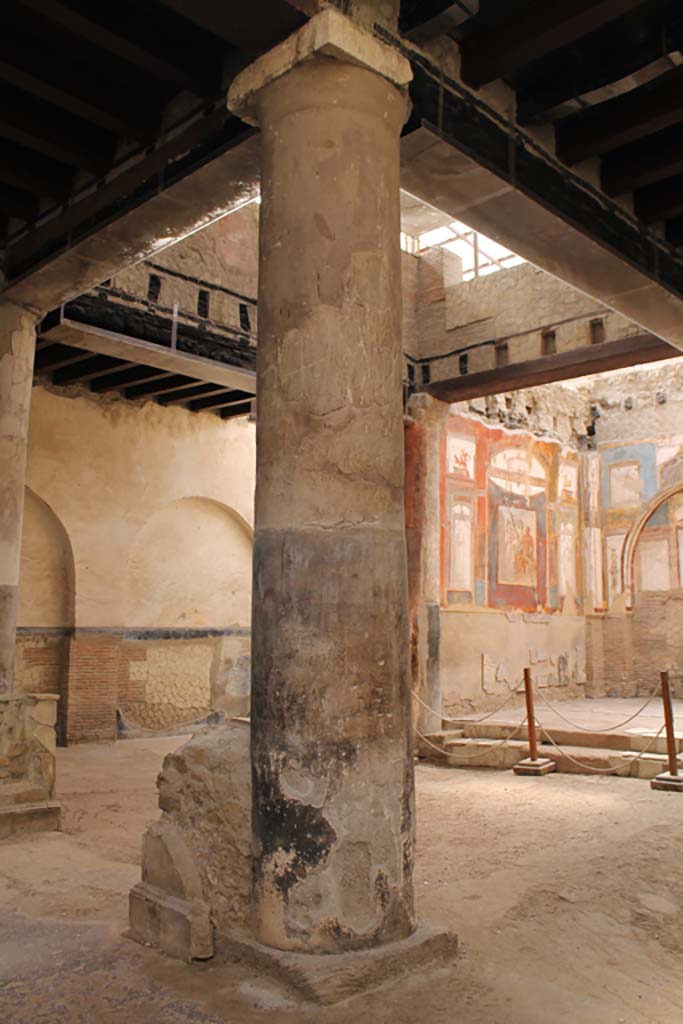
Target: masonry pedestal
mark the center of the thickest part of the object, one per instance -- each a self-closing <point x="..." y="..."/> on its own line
<point x="17" y="348"/>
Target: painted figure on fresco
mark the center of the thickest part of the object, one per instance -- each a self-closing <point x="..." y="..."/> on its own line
<point x="517" y="559"/>
<point x="460" y="452"/>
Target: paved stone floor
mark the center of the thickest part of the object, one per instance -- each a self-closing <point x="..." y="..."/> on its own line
<point x="566" y="891"/>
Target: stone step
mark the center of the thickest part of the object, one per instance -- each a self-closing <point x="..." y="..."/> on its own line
<point x="467" y="752"/>
<point x="565" y="736"/>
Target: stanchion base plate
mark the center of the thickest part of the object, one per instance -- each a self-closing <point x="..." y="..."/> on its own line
<point x="541" y="766"/>
<point x="674" y="783"/>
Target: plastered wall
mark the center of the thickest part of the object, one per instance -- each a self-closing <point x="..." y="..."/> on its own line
<point x="135" y="586"/>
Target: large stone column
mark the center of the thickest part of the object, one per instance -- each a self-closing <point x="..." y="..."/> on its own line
<point x="17" y="348"/>
<point x="331" y="749"/>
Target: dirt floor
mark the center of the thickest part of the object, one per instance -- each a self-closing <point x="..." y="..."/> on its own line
<point x="566" y="892"/>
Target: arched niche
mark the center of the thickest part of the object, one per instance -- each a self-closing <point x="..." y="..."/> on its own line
<point x="46" y="574"/>
<point x="631" y="543"/>
<point x="190" y="567"/>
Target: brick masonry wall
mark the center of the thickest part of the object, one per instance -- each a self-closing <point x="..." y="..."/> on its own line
<point x="94" y="668"/>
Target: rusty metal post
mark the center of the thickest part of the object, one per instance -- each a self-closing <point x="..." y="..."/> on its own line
<point x="670" y="780"/>
<point x="532" y="765"/>
<point x="530" y="714"/>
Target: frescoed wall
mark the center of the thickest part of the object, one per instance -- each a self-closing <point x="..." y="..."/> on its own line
<point x="510" y="545"/>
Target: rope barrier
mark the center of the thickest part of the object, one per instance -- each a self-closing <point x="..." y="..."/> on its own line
<point x="470" y="721"/>
<point x="472" y="757"/>
<point x="611" y="728"/>
<point x="601" y="771"/>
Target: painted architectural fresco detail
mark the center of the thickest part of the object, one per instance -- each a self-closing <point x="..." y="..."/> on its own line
<point x="625" y="485"/>
<point x="654" y="566"/>
<point x="567" y="560"/>
<point x="460" y="577"/>
<point x="460" y="454"/>
<point x="568" y="481"/>
<point x="615" y="548"/>
<point x="517" y="552"/>
<point x="517" y="471"/>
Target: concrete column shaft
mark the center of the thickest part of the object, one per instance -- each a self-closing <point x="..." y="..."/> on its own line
<point x="17" y="349"/>
<point x="331" y="753"/>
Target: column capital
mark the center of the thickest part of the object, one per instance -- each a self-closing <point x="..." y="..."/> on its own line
<point x="424" y="408"/>
<point x="328" y="34"/>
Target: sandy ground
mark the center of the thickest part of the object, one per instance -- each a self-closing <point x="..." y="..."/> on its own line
<point x="566" y="892"/>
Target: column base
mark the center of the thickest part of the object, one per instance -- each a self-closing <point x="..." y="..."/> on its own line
<point x="21" y="819"/>
<point x="672" y="783"/>
<point x="330" y="978"/>
<point x="541" y="766"/>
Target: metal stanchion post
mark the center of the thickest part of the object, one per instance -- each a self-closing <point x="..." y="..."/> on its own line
<point x="670" y="780"/>
<point x="532" y="765"/>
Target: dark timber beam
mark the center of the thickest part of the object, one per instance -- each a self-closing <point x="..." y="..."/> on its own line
<point x="46" y="130"/>
<point x="16" y="202"/>
<point x="160" y="387"/>
<point x="38" y="57"/>
<point x="183" y="395"/>
<point x="115" y="381"/>
<point x="228" y="398"/>
<point x="88" y="369"/>
<point x="531" y="32"/>
<point x="241" y="409"/>
<point x="422" y="19"/>
<point x="20" y="168"/>
<point x="662" y="201"/>
<point x="53" y="357"/>
<point x="170" y="49"/>
<point x="615" y="51"/>
<point x="674" y="231"/>
<point x="626" y="118"/>
<point x="608" y="355"/>
<point x="658" y="157"/>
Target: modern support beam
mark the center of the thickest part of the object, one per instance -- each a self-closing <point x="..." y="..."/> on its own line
<point x="531" y="32"/>
<point x="626" y="118"/>
<point x="20" y="168"/>
<point x="608" y="355"/>
<point x="662" y="201"/>
<point x="43" y="128"/>
<point x="643" y="163"/>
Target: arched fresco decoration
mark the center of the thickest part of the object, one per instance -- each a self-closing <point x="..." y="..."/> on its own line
<point x="634" y="535"/>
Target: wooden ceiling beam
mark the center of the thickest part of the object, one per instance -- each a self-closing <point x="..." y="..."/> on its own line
<point x="529" y="33"/>
<point x="54" y="356"/>
<point x="16" y="202"/>
<point x="653" y="159"/>
<point x="240" y="409"/>
<point x="40" y="58"/>
<point x="228" y="398"/>
<point x="617" y="50"/>
<point x="169" y="49"/>
<point x="160" y="387"/>
<point x="89" y="369"/>
<point x="43" y="176"/>
<point x="674" y="231"/>
<point x="252" y="30"/>
<point x="608" y="355"/>
<point x="662" y="201"/>
<point x="622" y="120"/>
<point x="116" y="381"/>
<point x="46" y="130"/>
<point x="185" y="395"/>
